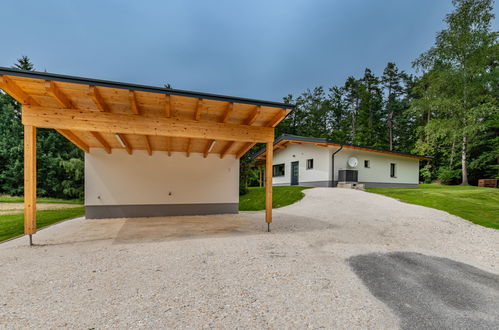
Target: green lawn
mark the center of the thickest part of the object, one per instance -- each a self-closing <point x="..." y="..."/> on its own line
<point x="20" y="199"/>
<point x="254" y="200"/>
<point x="476" y="204"/>
<point x="12" y="225"/>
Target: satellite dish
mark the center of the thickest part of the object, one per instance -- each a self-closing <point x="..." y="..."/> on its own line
<point x="353" y="162"/>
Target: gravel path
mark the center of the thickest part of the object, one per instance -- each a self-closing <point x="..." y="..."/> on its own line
<point x="226" y="271"/>
<point x="12" y="208"/>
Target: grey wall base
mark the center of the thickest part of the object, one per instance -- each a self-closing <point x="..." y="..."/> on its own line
<point x="158" y="210"/>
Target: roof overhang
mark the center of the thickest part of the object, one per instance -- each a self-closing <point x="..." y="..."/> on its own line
<point x="286" y="139"/>
<point x="111" y="115"/>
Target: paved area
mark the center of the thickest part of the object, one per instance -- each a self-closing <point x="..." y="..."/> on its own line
<point x="12" y="208"/>
<point x="227" y="272"/>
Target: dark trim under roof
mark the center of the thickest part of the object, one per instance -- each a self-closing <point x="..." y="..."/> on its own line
<point x="137" y="87"/>
<point x="291" y="137"/>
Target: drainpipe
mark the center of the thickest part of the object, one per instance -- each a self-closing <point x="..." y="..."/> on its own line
<point x="332" y="165"/>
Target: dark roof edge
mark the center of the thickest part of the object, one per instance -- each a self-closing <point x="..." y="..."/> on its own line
<point x="325" y="140"/>
<point x="138" y="87"/>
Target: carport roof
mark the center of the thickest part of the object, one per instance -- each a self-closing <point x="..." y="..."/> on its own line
<point x="324" y="142"/>
<point x="94" y="113"/>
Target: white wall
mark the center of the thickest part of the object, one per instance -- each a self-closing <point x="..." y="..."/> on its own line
<point x="407" y="169"/>
<point x="300" y="153"/>
<point x="123" y="179"/>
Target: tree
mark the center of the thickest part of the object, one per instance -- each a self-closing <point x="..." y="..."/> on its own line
<point x="460" y="70"/>
<point x="24" y="63"/>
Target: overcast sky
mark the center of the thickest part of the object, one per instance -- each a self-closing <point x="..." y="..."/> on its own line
<point x="262" y="49"/>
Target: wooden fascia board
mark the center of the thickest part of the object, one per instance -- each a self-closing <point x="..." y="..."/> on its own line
<point x="107" y="122"/>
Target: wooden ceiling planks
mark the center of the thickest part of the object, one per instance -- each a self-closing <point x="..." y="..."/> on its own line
<point x="90" y="98"/>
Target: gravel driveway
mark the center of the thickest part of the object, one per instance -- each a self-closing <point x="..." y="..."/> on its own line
<point x="323" y="265"/>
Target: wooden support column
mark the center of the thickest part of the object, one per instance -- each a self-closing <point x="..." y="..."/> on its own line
<point x="268" y="183"/>
<point x="29" y="180"/>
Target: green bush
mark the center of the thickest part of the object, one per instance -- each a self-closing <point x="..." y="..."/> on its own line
<point x="447" y="175"/>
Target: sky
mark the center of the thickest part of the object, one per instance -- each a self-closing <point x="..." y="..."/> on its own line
<point x="263" y="49"/>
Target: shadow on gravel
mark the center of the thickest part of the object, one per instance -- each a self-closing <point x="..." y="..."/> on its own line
<point x="429" y="292"/>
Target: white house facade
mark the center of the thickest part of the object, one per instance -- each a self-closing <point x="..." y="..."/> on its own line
<point x="316" y="162"/>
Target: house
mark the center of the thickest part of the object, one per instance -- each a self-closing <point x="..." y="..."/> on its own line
<point x="319" y="162"/>
<point x="149" y="151"/>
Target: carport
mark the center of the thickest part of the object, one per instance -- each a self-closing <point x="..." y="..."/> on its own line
<point x="118" y="117"/>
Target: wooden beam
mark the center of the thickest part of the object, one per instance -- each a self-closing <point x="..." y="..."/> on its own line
<point x="74" y="139"/>
<point x="268" y="184"/>
<point x="321" y="144"/>
<point x="244" y="149"/>
<point x="97" y="98"/>
<point x="106" y="122"/>
<point x="172" y="107"/>
<point x="169" y="145"/>
<point x="276" y="119"/>
<point x="57" y="95"/>
<point x="133" y="102"/>
<point x="228" y="112"/>
<point x="168" y="109"/>
<point x="199" y="109"/>
<point x="225" y="150"/>
<point x="102" y="141"/>
<point x="148" y="145"/>
<point x="10" y="87"/>
<point x="251" y="119"/>
<point x="29" y="180"/>
<point x="124" y="143"/>
<point x="188" y="151"/>
<point x="209" y="147"/>
<point x="295" y="142"/>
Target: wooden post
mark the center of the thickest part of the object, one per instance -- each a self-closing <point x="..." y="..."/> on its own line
<point x="29" y="180"/>
<point x="260" y="180"/>
<point x="268" y="183"/>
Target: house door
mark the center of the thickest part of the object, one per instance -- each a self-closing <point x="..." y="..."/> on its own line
<point x="294" y="173"/>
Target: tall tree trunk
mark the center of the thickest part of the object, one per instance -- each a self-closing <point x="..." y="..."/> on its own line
<point x="390" y="130"/>
<point x="464" y="162"/>
<point x="452" y="153"/>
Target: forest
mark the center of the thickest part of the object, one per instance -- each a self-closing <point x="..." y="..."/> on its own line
<point x="448" y="109"/>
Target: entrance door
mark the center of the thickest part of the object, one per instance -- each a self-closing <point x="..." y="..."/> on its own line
<point x="294" y="173"/>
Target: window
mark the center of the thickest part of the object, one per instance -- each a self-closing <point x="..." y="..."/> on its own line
<point x="310" y="164"/>
<point x="278" y="170"/>
<point x="392" y="170"/>
<point x="367" y="164"/>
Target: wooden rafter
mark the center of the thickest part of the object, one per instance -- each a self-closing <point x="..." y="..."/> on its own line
<point x="226" y="149"/>
<point x="168" y="109"/>
<point x="254" y="115"/>
<point x="97" y="98"/>
<point x="9" y="86"/>
<point x="209" y="147"/>
<point x="107" y="122"/>
<point x="228" y="112"/>
<point x="244" y="149"/>
<point x="277" y="118"/>
<point x="74" y="139"/>
<point x="58" y="95"/>
<point x="172" y="107"/>
<point x="134" y="106"/>
<point x="124" y="143"/>
<point x="102" y="141"/>
<point x="169" y="145"/>
<point x="188" y="149"/>
<point x="148" y="145"/>
<point x="199" y="109"/>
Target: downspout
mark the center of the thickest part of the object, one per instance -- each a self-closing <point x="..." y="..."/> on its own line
<point x="332" y="165"/>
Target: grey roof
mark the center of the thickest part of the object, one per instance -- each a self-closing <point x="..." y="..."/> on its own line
<point x="325" y="140"/>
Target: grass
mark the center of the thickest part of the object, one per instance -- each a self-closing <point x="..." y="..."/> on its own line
<point x="476" y="204"/>
<point x="254" y="200"/>
<point x="12" y="225"/>
<point x="20" y="199"/>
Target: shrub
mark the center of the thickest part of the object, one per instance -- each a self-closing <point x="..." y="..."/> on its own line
<point x="447" y="175"/>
